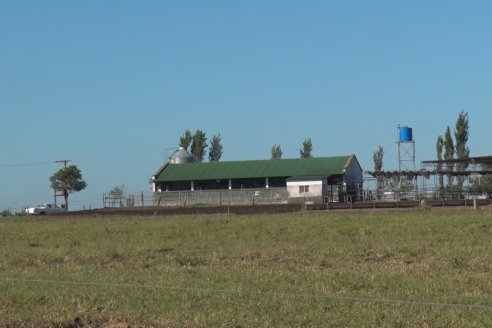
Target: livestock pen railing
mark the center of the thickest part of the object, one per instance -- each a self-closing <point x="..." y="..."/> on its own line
<point x="198" y="197"/>
<point x="281" y="196"/>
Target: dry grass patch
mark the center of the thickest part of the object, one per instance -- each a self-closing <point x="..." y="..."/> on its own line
<point x="309" y="269"/>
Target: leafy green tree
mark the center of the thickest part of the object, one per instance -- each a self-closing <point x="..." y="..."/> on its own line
<point x="276" y="152"/>
<point x="378" y="168"/>
<point x="215" y="152"/>
<point x="185" y="139"/>
<point x="449" y="154"/>
<point x="483" y="183"/>
<point x="66" y="181"/>
<point x="307" y="149"/>
<point x="6" y="212"/>
<point x="439" y="149"/>
<point x="199" y="145"/>
<point x="117" y="194"/>
<point x="461" y="134"/>
<point x="118" y="190"/>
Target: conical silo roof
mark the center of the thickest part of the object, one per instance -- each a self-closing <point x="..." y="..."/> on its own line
<point x="181" y="156"/>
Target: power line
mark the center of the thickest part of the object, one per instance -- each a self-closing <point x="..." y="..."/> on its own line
<point x="272" y="294"/>
<point x="26" y="164"/>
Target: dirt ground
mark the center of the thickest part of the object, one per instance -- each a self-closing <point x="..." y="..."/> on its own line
<point x="170" y="211"/>
<point x="270" y="209"/>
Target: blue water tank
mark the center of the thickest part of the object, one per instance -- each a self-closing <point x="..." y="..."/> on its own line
<point x="405" y="134"/>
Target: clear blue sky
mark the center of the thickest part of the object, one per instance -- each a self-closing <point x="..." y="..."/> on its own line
<point x="111" y="84"/>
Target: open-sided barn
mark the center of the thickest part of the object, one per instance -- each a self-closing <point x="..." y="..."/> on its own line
<point x="326" y="178"/>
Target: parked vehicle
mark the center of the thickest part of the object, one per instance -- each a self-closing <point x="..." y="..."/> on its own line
<point x="45" y="209"/>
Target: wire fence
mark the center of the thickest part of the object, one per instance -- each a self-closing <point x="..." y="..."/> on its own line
<point x="257" y="293"/>
<point x="391" y="188"/>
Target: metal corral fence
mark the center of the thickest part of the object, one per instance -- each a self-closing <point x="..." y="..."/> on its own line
<point x="426" y="193"/>
<point x="198" y="197"/>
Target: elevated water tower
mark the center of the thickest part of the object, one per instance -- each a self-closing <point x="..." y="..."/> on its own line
<point x="407" y="182"/>
<point x="406" y="149"/>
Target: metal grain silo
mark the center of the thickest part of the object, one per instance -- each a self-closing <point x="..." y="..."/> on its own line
<point x="181" y="156"/>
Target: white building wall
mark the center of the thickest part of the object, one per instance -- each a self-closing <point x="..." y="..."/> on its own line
<point x="315" y="188"/>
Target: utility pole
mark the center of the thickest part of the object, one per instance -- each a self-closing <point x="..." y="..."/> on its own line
<point x="64" y="161"/>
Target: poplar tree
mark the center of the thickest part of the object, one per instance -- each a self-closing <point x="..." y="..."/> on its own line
<point x="307" y="149"/>
<point x="215" y="152"/>
<point x="439" y="148"/>
<point x="185" y="139"/>
<point x="449" y="154"/>
<point x="276" y="152"/>
<point x="378" y="168"/>
<point x="199" y="145"/>
<point x="461" y="133"/>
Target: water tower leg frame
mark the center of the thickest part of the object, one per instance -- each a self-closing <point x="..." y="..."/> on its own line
<point x="406" y="162"/>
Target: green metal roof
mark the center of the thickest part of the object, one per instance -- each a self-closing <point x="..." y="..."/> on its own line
<point x="318" y="166"/>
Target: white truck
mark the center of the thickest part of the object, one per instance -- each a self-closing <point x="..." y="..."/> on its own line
<point x="45" y="209"/>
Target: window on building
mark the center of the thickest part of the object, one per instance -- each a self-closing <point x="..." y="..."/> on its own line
<point x="303" y="189"/>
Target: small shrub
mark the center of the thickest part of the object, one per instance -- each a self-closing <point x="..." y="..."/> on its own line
<point x="5" y="213"/>
<point x="424" y="207"/>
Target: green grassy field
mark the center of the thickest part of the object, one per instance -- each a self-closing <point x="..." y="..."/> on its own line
<point x="311" y="269"/>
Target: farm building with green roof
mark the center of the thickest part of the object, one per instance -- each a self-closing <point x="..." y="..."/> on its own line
<point x="333" y="177"/>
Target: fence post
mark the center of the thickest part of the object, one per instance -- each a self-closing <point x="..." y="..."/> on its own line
<point x="475" y="203"/>
<point x="142" y="197"/>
